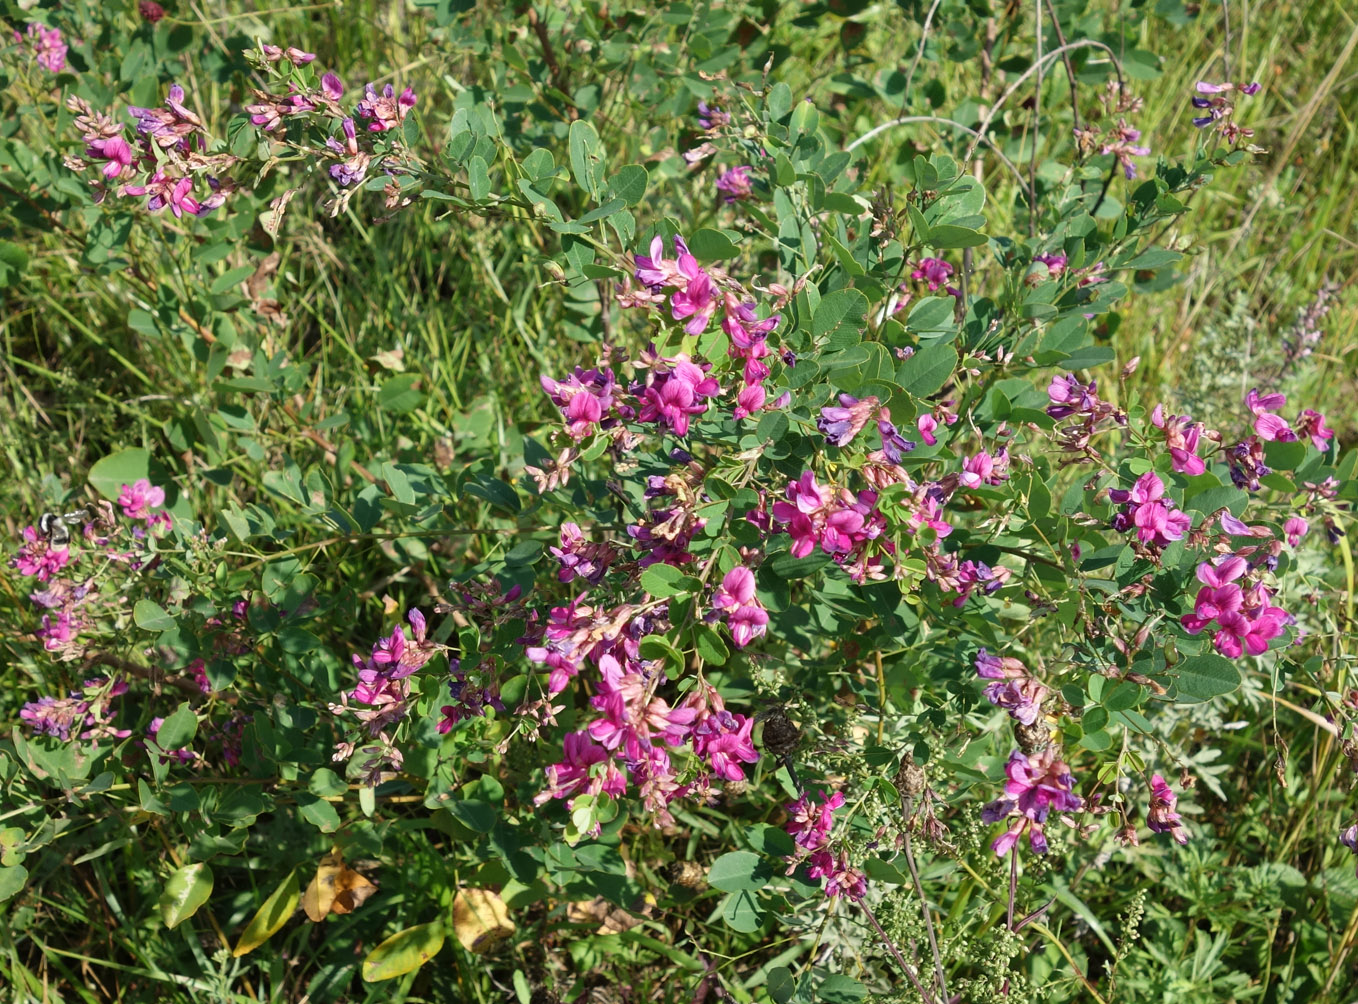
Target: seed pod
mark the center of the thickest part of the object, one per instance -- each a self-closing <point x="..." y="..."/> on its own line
<point x="781" y="736"/>
<point x="911" y="779"/>
<point x="688" y="874"/>
<point x="733" y="791"/>
<point x="1032" y="738"/>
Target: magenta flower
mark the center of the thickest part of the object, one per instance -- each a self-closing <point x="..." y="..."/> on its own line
<point x="724" y="740"/>
<point x="115" y="151"/>
<point x="696" y="299"/>
<point x="1070" y="397"/>
<point x="735" y="184"/>
<point x="1312" y="424"/>
<point x="1056" y="263"/>
<point x="745" y="615"/>
<point x="809" y="824"/>
<point x="983" y="469"/>
<point x="1181" y="437"/>
<point x="927" y="426"/>
<point x="574" y="776"/>
<point x="841" y="878"/>
<point x="48" y="46"/>
<point x="1295" y="529"/>
<point x="1161" y="817"/>
<point x="138" y="499"/>
<point x="384" y="111"/>
<point x="37" y="557"/>
<point x="585" y="398"/>
<point x="1037" y="783"/>
<point x="675" y="393"/>
<point x="934" y="271"/>
<point x="1146" y="509"/>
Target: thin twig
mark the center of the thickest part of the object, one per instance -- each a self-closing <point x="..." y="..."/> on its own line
<point x="909" y="970"/>
<point x="1070" y="69"/>
<point x="924" y="907"/>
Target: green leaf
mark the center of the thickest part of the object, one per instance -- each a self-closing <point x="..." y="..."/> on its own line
<point x="150" y="616"/>
<point x="13" y="263"/>
<point x="946" y="235"/>
<point x="741" y="912"/>
<point x="927" y="370"/>
<point x="1203" y="677"/>
<point x="404" y="951"/>
<point x="841" y="989"/>
<point x="478" y="178"/>
<point x="272" y="915"/>
<point x="629" y="184"/>
<point x="587" y="161"/>
<point x="12" y="879"/>
<point x="712" y="245"/>
<point x="844" y="308"/>
<point x="661" y="581"/>
<point x="178" y="730"/>
<point x="117" y="469"/>
<point x="187" y="890"/>
<point x="738" y="870"/>
<point x="233" y="277"/>
<point x="399" y="394"/>
<point x="1154" y="258"/>
<point x="318" y="812"/>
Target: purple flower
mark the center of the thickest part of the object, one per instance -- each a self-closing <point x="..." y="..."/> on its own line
<point x="48" y="45"/>
<point x="841" y="423"/>
<point x="736" y="183"/>
<point x="1037" y="783"/>
<point x="1161" y="816"/>
<point x="894" y="445"/>
<point x="384" y="110"/>
<point x="585" y="399"/>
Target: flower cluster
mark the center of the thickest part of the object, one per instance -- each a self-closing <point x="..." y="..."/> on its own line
<point x="809" y="826"/>
<point x="382" y="697"/>
<point x="1214" y="101"/>
<point x="846" y="526"/>
<point x="1245" y="619"/>
<point x="735" y="184"/>
<point x="165" y="159"/>
<point x="1161" y="817"/>
<point x="1120" y="140"/>
<point x="86" y="713"/>
<point x="1013" y="689"/>
<point x="1037" y="783"/>
<point x="1150" y="512"/>
<point x="588" y="399"/>
<point x="47" y="45"/>
<point x="1081" y="412"/>
<point x="841" y="423"/>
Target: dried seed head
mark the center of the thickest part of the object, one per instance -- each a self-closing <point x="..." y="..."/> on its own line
<point x="781" y="735"/>
<point x="911" y="779"/>
<point x="1032" y="738"/>
<point x="688" y="874"/>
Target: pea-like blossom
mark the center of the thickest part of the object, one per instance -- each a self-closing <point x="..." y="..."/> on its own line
<point x="1349" y="838"/>
<point x="1147" y="509"/>
<point x="1070" y="397"/>
<point x="1294" y="529"/>
<point x="934" y="271"/>
<point x="139" y="498"/>
<point x="745" y="615"/>
<point x="1036" y="784"/>
<point x="809" y="824"/>
<point x="38" y="557"/>
<point x="47" y="44"/>
<point x="841" y="423"/>
<point x="676" y="391"/>
<point x="1012" y="688"/>
<point x="984" y="469"/>
<point x="1311" y="424"/>
<point x="1121" y="142"/>
<point x="1056" y="263"/>
<point x="841" y="878"/>
<point x="115" y="152"/>
<point x="580" y="557"/>
<point x="1268" y="426"/>
<point x="1181" y="438"/>
<point x="736" y="183"/>
<point x="712" y="116"/>
<point x="354" y="163"/>
<point x="586" y="399"/>
<point x="575" y="774"/>
<point x="384" y="110"/>
<point x="1244" y="618"/>
<point x="1161" y="816"/>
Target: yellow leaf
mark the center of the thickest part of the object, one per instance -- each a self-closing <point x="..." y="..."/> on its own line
<point x="480" y="920"/>
<point x="404" y="951"/>
<point x="270" y="917"/>
<point x="336" y="888"/>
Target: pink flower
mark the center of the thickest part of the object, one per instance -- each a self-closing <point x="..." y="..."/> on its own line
<point x="1037" y="783"/>
<point x="841" y="423"/>
<point x="724" y="740"/>
<point x="38" y="557"/>
<point x="384" y="111"/>
<point x="927" y="426"/>
<point x="808" y="824"/>
<point x="585" y="398"/>
<point x="735" y="183"/>
<point x="138" y="499"/>
<point x="675" y="394"/>
<point x="1312" y="423"/>
<point x="1161" y="816"/>
<point x="696" y="299"/>
<point x="1294" y="529"/>
<point x="745" y="615"/>
<point x="1156" y="522"/>
<point x="934" y="271"/>
<point x="115" y="151"/>
<point x="48" y="45"/>
<point x="841" y="878"/>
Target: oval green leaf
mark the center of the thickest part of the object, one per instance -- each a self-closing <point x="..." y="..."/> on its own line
<point x="403" y="952"/>
<point x="187" y="890"/>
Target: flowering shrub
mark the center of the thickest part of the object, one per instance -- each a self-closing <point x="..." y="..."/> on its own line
<point x="848" y="560"/>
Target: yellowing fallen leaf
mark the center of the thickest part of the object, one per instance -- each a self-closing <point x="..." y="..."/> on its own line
<point x="480" y="920"/>
<point x="336" y="888"/>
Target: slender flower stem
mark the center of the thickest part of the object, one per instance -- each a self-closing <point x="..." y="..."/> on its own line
<point x="928" y="915"/>
<point x="909" y="971"/>
<point x="1013" y="884"/>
